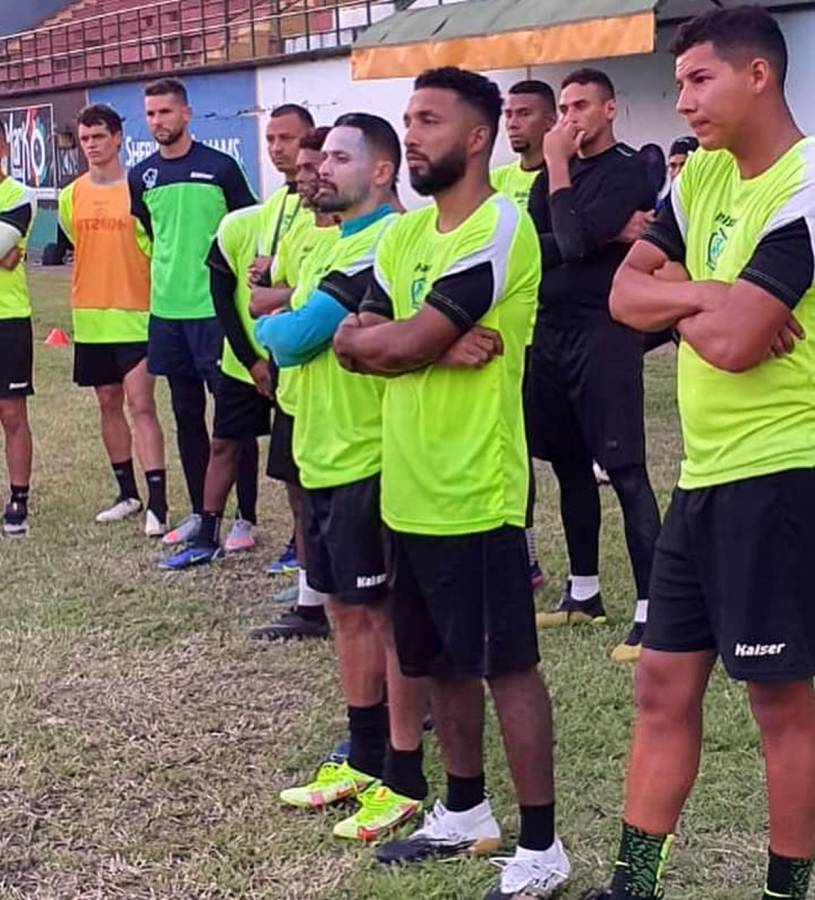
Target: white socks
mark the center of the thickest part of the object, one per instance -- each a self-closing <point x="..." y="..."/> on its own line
<point x="584" y="587"/>
<point x="308" y="596"/>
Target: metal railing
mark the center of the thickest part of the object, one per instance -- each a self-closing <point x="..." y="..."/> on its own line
<point x="165" y="36"/>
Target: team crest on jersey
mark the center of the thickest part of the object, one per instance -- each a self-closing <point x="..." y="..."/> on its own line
<point x="419" y="284"/>
<point x="718" y="240"/>
<point x="149" y="178"/>
<point x="715" y="247"/>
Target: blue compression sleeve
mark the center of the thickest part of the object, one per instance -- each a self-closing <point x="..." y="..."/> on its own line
<point x="298" y="336"/>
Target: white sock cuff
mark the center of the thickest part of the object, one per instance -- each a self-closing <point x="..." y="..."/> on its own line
<point x="641" y="613"/>
<point x="584" y="587"/>
<point x="531" y="545"/>
<point x="307" y="596"/>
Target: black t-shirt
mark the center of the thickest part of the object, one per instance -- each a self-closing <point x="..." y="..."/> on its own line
<point x="577" y="227"/>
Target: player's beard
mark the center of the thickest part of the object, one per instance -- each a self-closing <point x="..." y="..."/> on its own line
<point x="172" y="138"/>
<point x="440" y="175"/>
<point x="336" y="202"/>
<point x="520" y="145"/>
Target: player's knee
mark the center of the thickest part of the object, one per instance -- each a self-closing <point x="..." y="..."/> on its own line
<point x="629" y="481"/>
<point x="223" y="450"/>
<point x="659" y="694"/>
<point x="188" y="402"/>
<point x="777" y="707"/>
<point x="13" y="415"/>
<point x="510" y="682"/>
<point x="142" y="408"/>
<point x="111" y="400"/>
<point x="350" y="620"/>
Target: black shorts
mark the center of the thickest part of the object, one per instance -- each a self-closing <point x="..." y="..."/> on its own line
<point x="281" y="465"/>
<point x="463" y="605"/>
<point x="16" y="358"/>
<point x="240" y="411"/>
<point x="96" y="365"/>
<point x="344" y="542"/>
<point x="185" y="348"/>
<point x="585" y="394"/>
<point x="733" y="574"/>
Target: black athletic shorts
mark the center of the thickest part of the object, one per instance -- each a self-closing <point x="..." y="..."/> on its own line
<point x="281" y="465"/>
<point x="16" y="358"/>
<point x="733" y="574"/>
<point x="585" y="394"/>
<point x="185" y="348"/>
<point x="463" y="605"/>
<point x="240" y="411"/>
<point x="96" y="365"/>
<point x="344" y="541"/>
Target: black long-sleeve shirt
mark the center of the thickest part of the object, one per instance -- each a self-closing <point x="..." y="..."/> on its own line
<point x="577" y="227"/>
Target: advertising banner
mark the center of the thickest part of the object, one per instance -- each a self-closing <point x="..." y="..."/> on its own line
<point x="30" y="134"/>
<point x="224" y="117"/>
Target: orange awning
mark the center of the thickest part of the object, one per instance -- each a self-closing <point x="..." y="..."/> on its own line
<point x="503" y="34"/>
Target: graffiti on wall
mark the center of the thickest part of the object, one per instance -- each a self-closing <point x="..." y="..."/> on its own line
<point x="30" y="133"/>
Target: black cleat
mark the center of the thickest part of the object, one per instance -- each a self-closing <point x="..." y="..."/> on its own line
<point x="292" y="625"/>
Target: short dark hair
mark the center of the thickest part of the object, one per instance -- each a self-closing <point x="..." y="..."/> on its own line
<point x="315" y="138"/>
<point x="164" y="86"/>
<point x="473" y="89"/>
<point x="293" y="109"/>
<point x="590" y="76"/>
<point x="378" y="133"/>
<point x="100" y="114"/>
<point x="3" y="135"/>
<point x="539" y="88"/>
<point x="684" y="145"/>
<point x="736" y="33"/>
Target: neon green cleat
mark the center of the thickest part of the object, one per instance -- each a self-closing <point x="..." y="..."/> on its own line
<point x="381" y="810"/>
<point x="334" y="783"/>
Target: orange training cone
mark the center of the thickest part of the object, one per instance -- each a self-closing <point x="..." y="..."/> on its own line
<point x="57" y="338"/>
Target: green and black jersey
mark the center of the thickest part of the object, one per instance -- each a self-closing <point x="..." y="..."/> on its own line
<point x="18" y="206"/>
<point x="722" y="227"/>
<point x="180" y="202"/>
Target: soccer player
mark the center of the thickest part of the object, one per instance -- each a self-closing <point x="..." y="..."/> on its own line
<point x="337" y="447"/>
<point x="301" y="252"/>
<point x="287" y="126"/>
<point x="680" y="151"/>
<point x="448" y="317"/>
<point x="733" y="568"/>
<point x="529" y="113"/>
<point x="180" y="194"/>
<point x="586" y="390"/>
<point x="110" y="296"/>
<point x="244" y="391"/>
<point x="18" y="206"/>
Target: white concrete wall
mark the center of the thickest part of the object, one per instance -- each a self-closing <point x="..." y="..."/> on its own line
<point x="645" y="87"/>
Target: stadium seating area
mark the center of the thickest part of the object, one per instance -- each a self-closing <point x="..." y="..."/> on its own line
<point x="97" y="40"/>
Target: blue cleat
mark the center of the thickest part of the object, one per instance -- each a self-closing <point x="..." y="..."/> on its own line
<point x="191" y="556"/>
<point x="286" y="563"/>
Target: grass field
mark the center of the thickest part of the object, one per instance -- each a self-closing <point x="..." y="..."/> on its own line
<point x="143" y="739"/>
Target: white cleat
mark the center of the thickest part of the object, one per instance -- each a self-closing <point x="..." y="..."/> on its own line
<point x="121" y="509"/>
<point x="153" y="526"/>
<point x="446" y="835"/>
<point x="532" y="874"/>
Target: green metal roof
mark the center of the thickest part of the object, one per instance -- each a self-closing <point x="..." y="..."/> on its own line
<point x="476" y="18"/>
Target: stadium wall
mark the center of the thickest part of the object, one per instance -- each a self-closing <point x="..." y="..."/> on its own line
<point x="645" y="87"/>
<point x="231" y="109"/>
